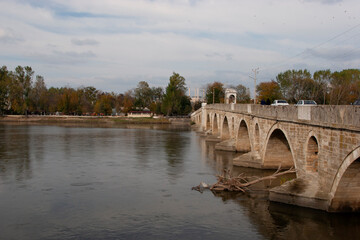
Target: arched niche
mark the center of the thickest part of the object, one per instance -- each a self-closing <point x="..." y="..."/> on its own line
<point x="312" y="155"/>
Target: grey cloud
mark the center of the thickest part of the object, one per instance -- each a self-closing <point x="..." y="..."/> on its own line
<point x="335" y="54"/>
<point x="84" y="42"/>
<point x="9" y="36"/>
<point x="58" y="57"/>
<point x="325" y="1"/>
<point x="226" y="56"/>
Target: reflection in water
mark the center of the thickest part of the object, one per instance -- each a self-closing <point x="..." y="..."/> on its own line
<point x="15" y="156"/>
<point x="90" y="182"/>
<point x="275" y="220"/>
<point x="175" y="147"/>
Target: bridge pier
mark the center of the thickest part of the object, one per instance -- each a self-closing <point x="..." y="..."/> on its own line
<point x="301" y="192"/>
<point x="249" y="159"/>
<point x="321" y="142"/>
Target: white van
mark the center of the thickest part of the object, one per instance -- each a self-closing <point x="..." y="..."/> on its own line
<point x="279" y="103"/>
<point x="306" y="103"/>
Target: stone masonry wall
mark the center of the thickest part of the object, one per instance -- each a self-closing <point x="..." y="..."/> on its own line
<point x="336" y="130"/>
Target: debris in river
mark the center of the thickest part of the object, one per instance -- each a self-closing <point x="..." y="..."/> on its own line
<point x="226" y="182"/>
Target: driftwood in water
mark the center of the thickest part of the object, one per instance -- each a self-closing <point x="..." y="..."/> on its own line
<point x="226" y="182"/>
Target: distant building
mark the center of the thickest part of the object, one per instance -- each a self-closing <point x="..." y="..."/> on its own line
<point x="230" y="95"/>
<point x="197" y="97"/>
<point x="142" y="114"/>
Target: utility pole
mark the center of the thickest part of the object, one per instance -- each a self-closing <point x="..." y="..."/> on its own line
<point x="213" y="95"/>
<point x="256" y="70"/>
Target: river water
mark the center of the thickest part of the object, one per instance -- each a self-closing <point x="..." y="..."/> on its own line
<point x="95" y="182"/>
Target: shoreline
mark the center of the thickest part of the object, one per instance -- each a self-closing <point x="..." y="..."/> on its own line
<point x="91" y="119"/>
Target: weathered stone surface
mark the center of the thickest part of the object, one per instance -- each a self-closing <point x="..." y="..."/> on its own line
<point x="227" y="145"/>
<point x="321" y="142"/>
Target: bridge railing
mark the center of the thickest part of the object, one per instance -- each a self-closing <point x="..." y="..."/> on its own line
<point x="327" y="115"/>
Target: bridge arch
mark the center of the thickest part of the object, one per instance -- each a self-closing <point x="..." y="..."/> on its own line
<point x="256" y="136"/>
<point x="208" y="121"/>
<point x="312" y="153"/>
<point x="242" y="137"/>
<point x="278" y="150"/>
<point x="215" y="128"/>
<point x="233" y="125"/>
<point x="345" y="190"/>
<point x="225" y="131"/>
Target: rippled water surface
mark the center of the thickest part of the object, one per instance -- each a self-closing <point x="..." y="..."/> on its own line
<point x="82" y="182"/>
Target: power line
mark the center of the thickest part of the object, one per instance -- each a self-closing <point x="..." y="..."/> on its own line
<point x="331" y="39"/>
<point x="312" y="48"/>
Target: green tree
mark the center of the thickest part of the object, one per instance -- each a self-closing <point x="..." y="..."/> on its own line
<point x="322" y="80"/>
<point x="174" y="101"/>
<point x="143" y="95"/>
<point x="39" y="96"/>
<point x="197" y="105"/>
<point x="88" y="97"/>
<point x="157" y="94"/>
<point x="4" y="88"/>
<point x="215" y="93"/>
<point x="295" y="84"/>
<point x="345" y="86"/>
<point x="23" y="77"/>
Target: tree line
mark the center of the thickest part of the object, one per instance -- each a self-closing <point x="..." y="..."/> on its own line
<point x="324" y="86"/>
<point x="21" y="92"/>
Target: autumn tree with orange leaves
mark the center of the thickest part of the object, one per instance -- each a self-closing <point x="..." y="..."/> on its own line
<point x="268" y="91"/>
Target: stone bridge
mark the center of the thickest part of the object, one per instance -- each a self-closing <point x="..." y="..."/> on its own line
<point x="321" y="142"/>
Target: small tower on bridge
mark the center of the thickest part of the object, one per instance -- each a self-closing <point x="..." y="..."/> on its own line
<point x="230" y="95"/>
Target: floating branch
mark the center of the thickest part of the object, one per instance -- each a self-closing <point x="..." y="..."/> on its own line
<point x="226" y="182"/>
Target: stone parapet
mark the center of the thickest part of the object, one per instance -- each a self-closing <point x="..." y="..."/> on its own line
<point x="334" y="116"/>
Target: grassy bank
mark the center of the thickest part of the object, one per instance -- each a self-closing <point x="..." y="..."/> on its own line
<point x="83" y="119"/>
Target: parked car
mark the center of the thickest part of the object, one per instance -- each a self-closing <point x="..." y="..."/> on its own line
<point x="357" y="102"/>
<point x="306" y="103"/>
<point x="279" y="103"/>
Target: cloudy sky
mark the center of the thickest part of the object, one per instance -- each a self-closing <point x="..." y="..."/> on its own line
<point x="114" y="44"/>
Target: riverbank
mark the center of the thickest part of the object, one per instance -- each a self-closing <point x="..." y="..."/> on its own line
<point x="91" y="119"/>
